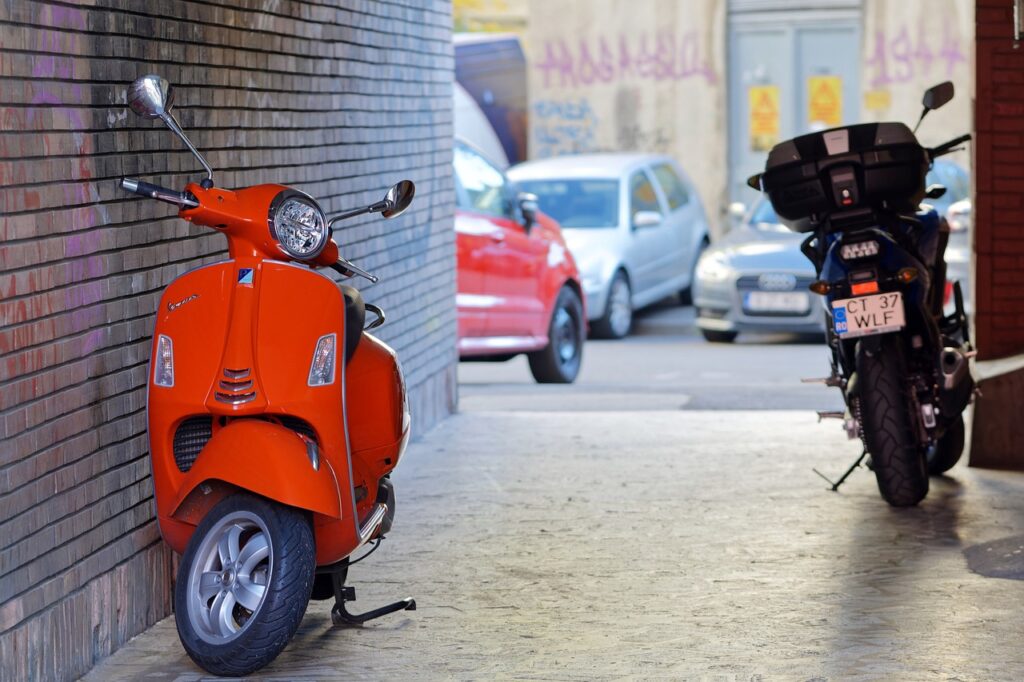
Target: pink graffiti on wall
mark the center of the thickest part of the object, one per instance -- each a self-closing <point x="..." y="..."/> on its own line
<point x="663" y="56"/>
<point x="906" y="54"/>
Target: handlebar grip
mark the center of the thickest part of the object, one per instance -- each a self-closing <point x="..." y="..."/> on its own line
<point x="146" y="189"/>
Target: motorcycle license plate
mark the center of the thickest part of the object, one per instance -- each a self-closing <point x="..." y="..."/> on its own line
<point x="867" y="315"/>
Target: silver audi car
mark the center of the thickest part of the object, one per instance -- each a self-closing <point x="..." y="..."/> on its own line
<point x="755" y="279"/>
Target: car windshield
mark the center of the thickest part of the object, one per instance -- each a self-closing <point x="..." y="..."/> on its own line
<point x="577" y="203"/>
<point x="763" y="216"/>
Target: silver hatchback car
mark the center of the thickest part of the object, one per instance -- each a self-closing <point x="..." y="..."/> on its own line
<point x="634" y="223"/>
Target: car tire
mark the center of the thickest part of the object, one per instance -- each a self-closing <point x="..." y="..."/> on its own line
<point x="718" y="337"/>
<point x="559" y="361"/>
<point x="617" y="320"/>
<point x="686" y="295"/>
<point x="235" y="628"/>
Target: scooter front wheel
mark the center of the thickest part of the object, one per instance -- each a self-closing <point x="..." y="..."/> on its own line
<point x="243" y="584"/>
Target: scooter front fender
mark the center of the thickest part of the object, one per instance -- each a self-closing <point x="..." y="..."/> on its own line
<point x="268" y="460"/>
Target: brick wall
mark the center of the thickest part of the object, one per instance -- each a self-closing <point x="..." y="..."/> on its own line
<point x="999" y="183"/>
<point x="998" y="227"/>
<point x="338" y="98"/>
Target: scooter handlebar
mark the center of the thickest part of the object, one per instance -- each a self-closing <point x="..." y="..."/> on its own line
<point x="146" y="189"/>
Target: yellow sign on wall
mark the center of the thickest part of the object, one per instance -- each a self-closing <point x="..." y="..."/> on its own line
<point x="824" y="101"/>
<point x="764" y="116"/>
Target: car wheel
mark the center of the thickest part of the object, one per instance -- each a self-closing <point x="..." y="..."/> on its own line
<point x="719" y="337"/>
<point x="618" y="312"/>
<point x="559" y="361"/>
<point x="686" y="295"/>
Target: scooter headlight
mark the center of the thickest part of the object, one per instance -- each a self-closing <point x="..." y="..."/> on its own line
<point x="298" y="225"/>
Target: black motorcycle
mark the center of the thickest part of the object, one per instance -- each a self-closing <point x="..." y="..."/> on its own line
<point x="901" y="364"/>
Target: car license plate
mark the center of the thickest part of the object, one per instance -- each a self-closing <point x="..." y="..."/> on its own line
<point x="776" y="302"/>
<point x="866" y="315"/>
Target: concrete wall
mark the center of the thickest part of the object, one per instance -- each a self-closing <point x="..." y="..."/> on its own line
<point x="910" y="46"/>
<point x="340" y="99"/>
<point x="647" y="75"/>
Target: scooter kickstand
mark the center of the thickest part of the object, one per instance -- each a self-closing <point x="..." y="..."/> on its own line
<point x="842" y="479"/>
<point x="341" y="616"/>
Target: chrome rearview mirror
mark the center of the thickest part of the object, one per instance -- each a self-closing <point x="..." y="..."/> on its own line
<point x="393" y="204"/>
<point x="398" y="198"/>
<point x="151" y="96"/>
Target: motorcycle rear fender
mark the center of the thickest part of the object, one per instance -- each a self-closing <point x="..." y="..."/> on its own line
<point x="263" y="458"/>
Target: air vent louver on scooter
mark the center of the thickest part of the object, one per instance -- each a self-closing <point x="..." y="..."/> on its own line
<point x="190" y="438"/>
<point x="235" y="388"/>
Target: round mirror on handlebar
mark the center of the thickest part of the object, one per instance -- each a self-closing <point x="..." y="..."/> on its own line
<point x="151" y="96"/>
<point x="937" y="95"/>
<point x="398" y="198"/>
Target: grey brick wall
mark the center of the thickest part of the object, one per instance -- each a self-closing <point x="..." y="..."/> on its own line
<point x="339" y="98"/>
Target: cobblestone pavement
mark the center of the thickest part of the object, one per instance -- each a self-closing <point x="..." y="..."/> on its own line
<point x="659" y="545"/>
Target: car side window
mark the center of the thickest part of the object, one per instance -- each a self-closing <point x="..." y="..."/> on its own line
<point x="483" y="186"/>
<point x="642" y="196"/>
<point x="674" y="189"/>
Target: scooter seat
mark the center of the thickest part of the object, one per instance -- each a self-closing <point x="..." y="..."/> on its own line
<point x="355" y="318"/>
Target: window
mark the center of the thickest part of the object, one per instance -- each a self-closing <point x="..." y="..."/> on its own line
<point x="675" y="190"/>
<point x="641" y="194"/>
<point x="577" y="203"/>
<point x="483" y="185"/>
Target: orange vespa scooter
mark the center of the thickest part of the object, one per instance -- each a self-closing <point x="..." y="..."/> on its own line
<point x="274" y="418"/>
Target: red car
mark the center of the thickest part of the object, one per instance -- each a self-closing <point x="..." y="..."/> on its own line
<point x="518" y="287"/>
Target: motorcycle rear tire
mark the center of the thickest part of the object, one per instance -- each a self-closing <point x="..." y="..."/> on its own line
<point x="271" y="560"/>
<point x="948" y="449"/>
<point x="899" y="464"/>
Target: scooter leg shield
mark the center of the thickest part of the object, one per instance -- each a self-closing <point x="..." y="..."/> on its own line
<point x="266" y="459"/>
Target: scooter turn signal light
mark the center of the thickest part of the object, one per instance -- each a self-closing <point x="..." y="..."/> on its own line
<point x="820" y="287"/>
<point x="907" y="275"/>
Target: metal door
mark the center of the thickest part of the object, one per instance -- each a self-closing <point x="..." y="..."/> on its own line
<point x="800" y="65"/>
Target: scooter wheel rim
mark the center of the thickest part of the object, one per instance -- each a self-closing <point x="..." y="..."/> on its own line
<point x="229" y="577"/>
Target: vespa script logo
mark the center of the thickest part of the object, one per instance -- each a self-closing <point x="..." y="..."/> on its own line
<point x="171" y="307"/>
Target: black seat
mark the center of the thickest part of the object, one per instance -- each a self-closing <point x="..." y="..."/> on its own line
<point x="355" y="318"/>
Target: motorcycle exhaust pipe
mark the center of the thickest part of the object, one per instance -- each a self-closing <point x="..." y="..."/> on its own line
<point x="954" y="367"/>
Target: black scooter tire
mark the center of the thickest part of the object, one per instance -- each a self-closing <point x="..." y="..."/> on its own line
<point x="291" y="560"/>
<point x="898" y="462"/>
<point x="948" y="449"/>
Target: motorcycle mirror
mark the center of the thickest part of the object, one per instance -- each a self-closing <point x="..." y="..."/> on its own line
<point x="151" y="96"/>
<point x="398" y="198"/>
<point x="937" y="95"/>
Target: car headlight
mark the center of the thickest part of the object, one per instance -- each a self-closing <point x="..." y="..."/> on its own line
<point x="713" y="268"/>
<point x="298" y="224"/>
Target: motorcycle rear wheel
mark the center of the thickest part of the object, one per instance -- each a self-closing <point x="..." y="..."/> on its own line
<point x="948" y="449"/>
<point x="243" y="584"/>
<point x="887" y="423"/>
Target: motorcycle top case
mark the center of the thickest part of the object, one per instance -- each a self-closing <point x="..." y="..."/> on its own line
<point x="842" y="169"/>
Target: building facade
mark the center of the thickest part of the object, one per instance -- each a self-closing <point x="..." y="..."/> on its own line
<point x="338" y="99"/>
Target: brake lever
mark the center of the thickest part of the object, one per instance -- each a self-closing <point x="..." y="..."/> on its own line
<point x="349" y="269"/>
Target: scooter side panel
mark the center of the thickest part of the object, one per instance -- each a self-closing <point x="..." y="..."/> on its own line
<point x="193" y="313"/>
